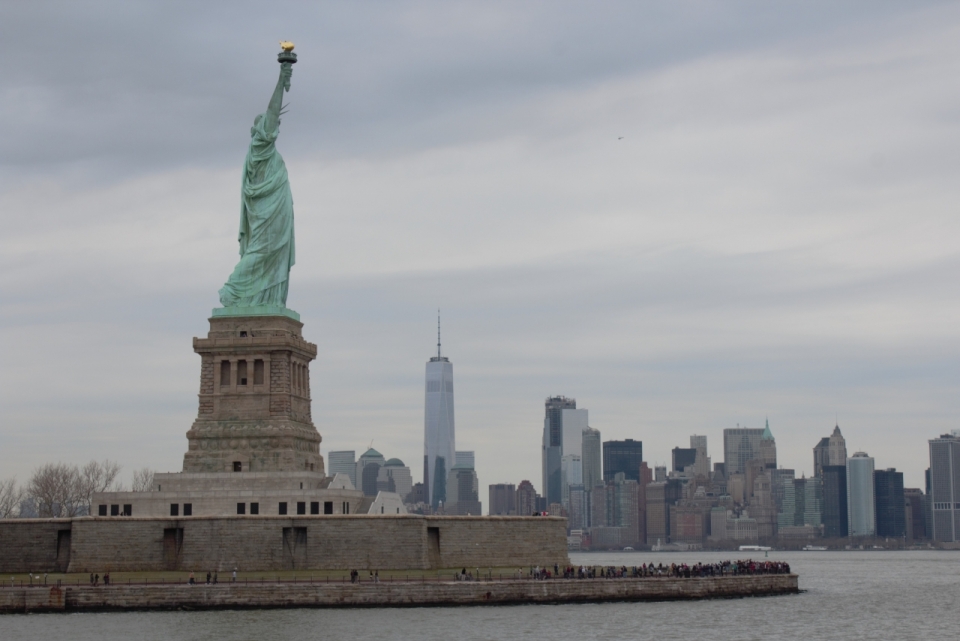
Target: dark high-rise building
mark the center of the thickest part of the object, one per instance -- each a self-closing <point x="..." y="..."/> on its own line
<point x="622" y="456"/>
<point x="682" y="457"/>
<point x="945" y="487"/>
<point x="915" y="513"/>
<point x="646" y="478"/>
<point x="888" y="494"/>
<point x="834" y="509"/>
<point x="503" y="499"/>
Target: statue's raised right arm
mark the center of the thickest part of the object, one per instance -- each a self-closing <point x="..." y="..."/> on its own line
<point x="272" y="114"/>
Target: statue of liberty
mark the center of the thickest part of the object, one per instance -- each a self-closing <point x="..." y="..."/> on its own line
<point x="266" y="212"/>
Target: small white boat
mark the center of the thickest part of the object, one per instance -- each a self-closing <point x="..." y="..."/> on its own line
<point x="755" y="548"/>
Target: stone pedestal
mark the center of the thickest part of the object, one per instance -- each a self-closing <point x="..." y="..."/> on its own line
<point x="254" y="413"/>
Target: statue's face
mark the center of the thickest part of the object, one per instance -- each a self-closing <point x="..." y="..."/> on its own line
<point x="256" y="121"/>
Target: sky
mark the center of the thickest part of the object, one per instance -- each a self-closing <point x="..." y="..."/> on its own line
<point x="688" y="216"/>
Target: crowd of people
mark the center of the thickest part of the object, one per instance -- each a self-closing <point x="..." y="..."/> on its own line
<point x="649" y="570"/>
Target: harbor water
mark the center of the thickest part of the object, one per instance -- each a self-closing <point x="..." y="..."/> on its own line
<point x="845" y="595"/>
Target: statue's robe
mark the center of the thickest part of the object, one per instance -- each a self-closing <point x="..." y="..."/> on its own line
<point x="266" y="227"/>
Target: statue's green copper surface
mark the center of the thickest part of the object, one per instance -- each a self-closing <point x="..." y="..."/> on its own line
<point x="259" y="282"/>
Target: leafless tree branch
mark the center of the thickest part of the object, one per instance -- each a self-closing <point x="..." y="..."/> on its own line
<point x="10" y="496"/>
<point x="142" y="480"/>
<point x="61" y="490"/>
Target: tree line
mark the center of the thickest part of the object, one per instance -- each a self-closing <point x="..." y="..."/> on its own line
<point x="61" y="490"/>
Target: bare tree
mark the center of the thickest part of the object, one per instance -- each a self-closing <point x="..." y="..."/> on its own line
<point x="96" y="477"/>
<point x="10" y="496"/>
<point x="61" y="490"/>
<point x="54" y="487"/>
<point x="142" y="480"/>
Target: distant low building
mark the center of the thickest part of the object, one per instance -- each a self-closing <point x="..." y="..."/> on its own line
<point x="798" y="533"/>
<point x="606" y="537"/>
<point x="368" y="471"/>
<point x="503" y="499"/>
<point x="463" y="492"/>
<point x="526" y="499"/>
<point x="343" y="462"/>
<point x="724" y="526"/>
<point x="689" y="525"/>
<point x="394" y="476"/>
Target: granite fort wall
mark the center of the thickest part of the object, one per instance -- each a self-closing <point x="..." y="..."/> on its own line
<point x="259" y="543"/>
<point x="467" y="541"/>
<point x="286" y="595"/>
<point x="35" y="545"/>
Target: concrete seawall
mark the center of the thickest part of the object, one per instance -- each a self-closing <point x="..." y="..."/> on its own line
<point x="399" y="594"/>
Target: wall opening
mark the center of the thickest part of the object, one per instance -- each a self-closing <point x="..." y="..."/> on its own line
<point x="172" y="544"/>
<point x="102" y="510"/>
<point x="114" y="510"/>
<point x="314" y="507"/>
<point x="188" y="509"/>
<point x="328" y="507"/>
<point x="174" y="509"/>
<point x="294" y="548"/>
<point x="224" y="373"/>
<point x="63" y="551"/>
<point x="254" y="508"/>
<point x="301" y="507"/>
<point x="241" y="372"/>
<point x="237" y="466"/>
<point x="241" y="508"/>
<point x="433" y="546"/>
<point x="128" y="509"/>
<point x="282" y="508"/>
<point x="258" y="371"/>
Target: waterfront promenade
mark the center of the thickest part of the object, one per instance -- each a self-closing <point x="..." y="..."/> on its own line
<point x="393" y="592"/>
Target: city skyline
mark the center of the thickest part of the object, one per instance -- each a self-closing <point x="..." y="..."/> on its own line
<point x="687" y="220"/>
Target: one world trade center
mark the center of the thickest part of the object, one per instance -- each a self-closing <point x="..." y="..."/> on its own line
<point x="438" y="432"/>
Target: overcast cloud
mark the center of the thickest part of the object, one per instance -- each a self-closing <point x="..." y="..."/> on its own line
<point x="775" y="235"/>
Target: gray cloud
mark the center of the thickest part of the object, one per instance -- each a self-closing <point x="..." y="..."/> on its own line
<point x="775" y="235"/>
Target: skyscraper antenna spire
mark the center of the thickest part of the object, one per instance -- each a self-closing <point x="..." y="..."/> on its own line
<point x="438" y="334"/>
